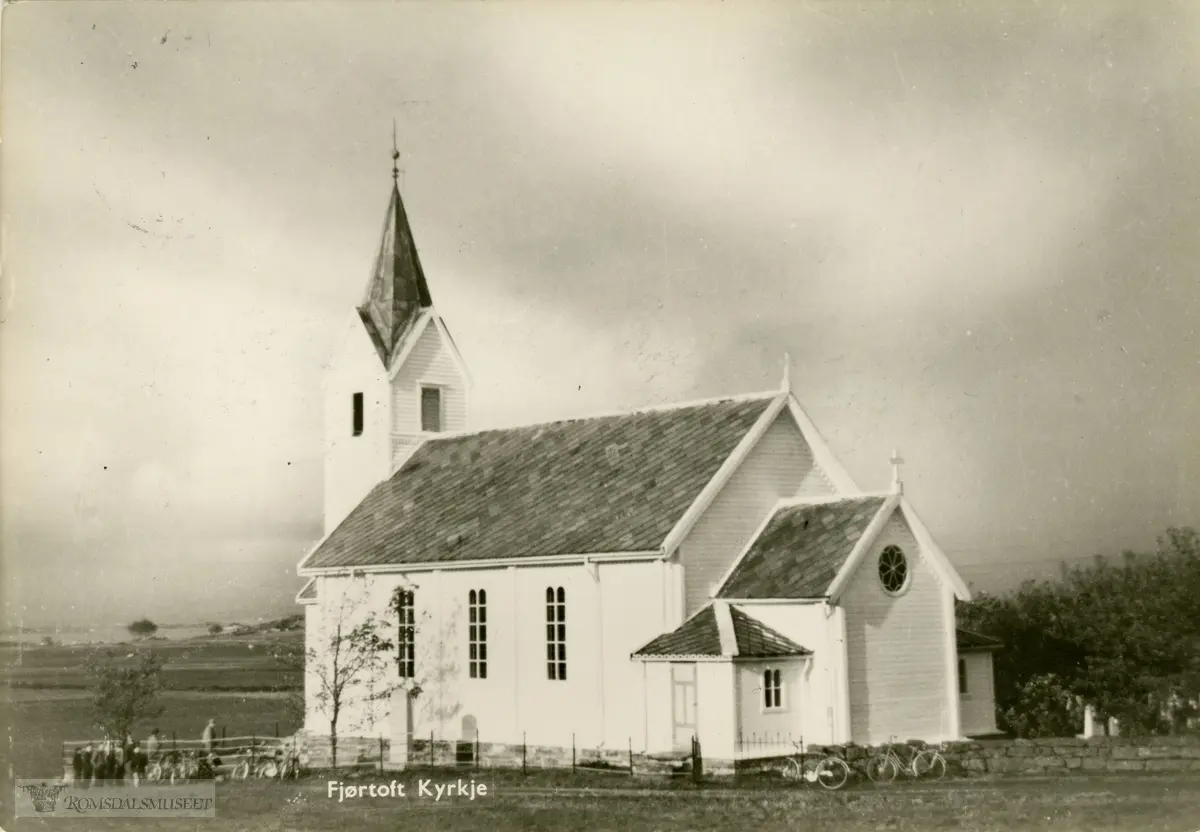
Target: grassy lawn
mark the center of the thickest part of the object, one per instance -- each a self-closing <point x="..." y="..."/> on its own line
<point x="241" y="663"/>
<point x="1128" y="803"/>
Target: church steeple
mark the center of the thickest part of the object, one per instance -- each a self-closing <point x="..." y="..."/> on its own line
<point x="397" y="291"/>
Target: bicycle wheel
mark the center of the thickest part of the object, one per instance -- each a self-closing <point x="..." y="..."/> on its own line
<point x="268" y="770"/>
<point x="791" y="770"/>
<point x="881" y="769"/>
<point x="241" y="771"/>
<point x="832" y="773"/>
<point x="154" y="773"/>
<point x="929" y="765"/>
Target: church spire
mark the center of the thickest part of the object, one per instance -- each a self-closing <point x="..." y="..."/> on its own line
<point x="397" y="291"/>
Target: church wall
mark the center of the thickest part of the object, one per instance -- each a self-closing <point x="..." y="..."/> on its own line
<point x="429" y="362"/>
<point x="808" y="626"/>
<point x="716" y="708"/>
<point x="781" y="465"/>
<point x="601" y="700"/>
<point x="354" y="464"/>
<point x="896" y="649"/>
<point x="978" y="705"/>
<point x="760" y="727"/>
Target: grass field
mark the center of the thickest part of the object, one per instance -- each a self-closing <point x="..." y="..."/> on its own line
<point x="1126" y="803"/>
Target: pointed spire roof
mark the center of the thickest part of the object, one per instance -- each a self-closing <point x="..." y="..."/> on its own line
<point x="397" y="291"/>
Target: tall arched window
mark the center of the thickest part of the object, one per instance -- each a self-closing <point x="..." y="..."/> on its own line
<point x="477" y="633"/>
<point x="556" y="633"/>
<point x="962" y="676"/>
<point x="406" y="636"/>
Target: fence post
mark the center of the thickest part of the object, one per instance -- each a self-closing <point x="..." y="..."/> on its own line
<point x="276" y="730"/>
<point x="524" y="750"/>
<point x="631" y="756"/>
<point x="572" y="753"/>
<point x="476" y="750"/>
<point x="697" y="761"/>
<point x="432" y="759"/>
<point x="381" y="752"/>
<point x="173" y="743"/>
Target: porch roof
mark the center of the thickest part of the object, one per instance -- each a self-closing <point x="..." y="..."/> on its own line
<point x="972" y="642"/>
<point x="700" y="637"/>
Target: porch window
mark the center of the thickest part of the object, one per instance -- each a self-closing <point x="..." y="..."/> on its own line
<point x="477" y="633"/>
<point x="962" y="676"/>
<point x="772" y="689"/>
<point x="556" y="633"/>
<point x="406" y="636"/>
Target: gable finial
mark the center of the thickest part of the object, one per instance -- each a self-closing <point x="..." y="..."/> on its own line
<point x="395" y="154"/>
<point x="786" y="384"/>
<point x="897" y="485"/>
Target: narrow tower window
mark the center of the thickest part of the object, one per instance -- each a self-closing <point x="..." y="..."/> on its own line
<point x="431" y="409"/>
<point x="962" y="677"/>
<point x="357" y="418"/>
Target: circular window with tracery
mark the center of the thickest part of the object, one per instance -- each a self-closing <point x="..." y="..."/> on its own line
<point x="893" y="569"/>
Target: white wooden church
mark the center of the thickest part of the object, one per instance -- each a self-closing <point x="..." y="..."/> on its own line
<point x="707" y="568"/>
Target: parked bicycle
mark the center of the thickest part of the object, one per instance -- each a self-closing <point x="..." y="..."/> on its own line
<point x="921" y="764"/>
<point x="256" y="764"/>
<point x="817" y="767"/>
<point x="173" y="767"/>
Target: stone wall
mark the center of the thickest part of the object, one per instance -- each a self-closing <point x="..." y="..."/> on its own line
<point x="963" y="759"/>
<point x="1032" y="757"/>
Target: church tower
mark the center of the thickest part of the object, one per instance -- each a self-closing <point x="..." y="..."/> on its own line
<point x="397" y="377"/>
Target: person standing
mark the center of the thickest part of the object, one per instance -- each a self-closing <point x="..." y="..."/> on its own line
<point x="210" y="731"/>
<point x="152" y="745"/>
<point x="76" y="765"/>
<point x="86" y="769"/>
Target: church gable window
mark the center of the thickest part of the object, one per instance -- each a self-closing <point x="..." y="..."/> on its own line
<point x="556" y="633"/>
<point x="772" y="687"/>
<point x="406" y="636"/>
<point x="431" y="409"/>
<point x="962" y="677"/>
<point x="356" y="418"/>
<point x="893" y="570"/>
<point x="477" y="633"/>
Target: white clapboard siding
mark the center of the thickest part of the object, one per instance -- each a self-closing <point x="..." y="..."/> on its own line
<point x="429" y="362"/>
<point x="895" y="649"/>
<point x="781" y="465"/>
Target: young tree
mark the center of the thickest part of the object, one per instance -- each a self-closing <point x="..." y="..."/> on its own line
<point x="124" y="689"/>
<point x="143" y="628"/>
<point x="352" y="664"/>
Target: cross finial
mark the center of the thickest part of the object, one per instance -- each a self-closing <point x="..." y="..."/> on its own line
<point x="395" y="154"/>
<point x="897" y="485"/>
<point x="786" y="384"/>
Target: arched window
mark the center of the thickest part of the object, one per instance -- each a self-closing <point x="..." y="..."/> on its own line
<point x="477" y="633"/>
<point x="772" y="689"/>
<point x="556" y="633"/>
<point x="406" y="636"/>
<point x="962" y="676"/>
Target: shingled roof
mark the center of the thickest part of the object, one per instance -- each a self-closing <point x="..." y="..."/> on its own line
<point x="969" y="641"/>
<point x="700" y="637"/>
<point x="599" y="485"/>
<point x="801" y="549"/>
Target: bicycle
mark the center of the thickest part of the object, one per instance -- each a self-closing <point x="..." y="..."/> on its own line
<point x="259" y="766"/>
<point x="824" y="768"/>
<point x="926" y="763"/>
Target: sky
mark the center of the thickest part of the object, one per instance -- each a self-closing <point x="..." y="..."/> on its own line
<point x="973" y="228"/>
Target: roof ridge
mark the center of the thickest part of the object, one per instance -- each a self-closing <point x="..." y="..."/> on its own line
<point x="663" y="408"/>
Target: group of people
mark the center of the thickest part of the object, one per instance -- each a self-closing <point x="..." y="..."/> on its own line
<point x="114" y="762"/>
